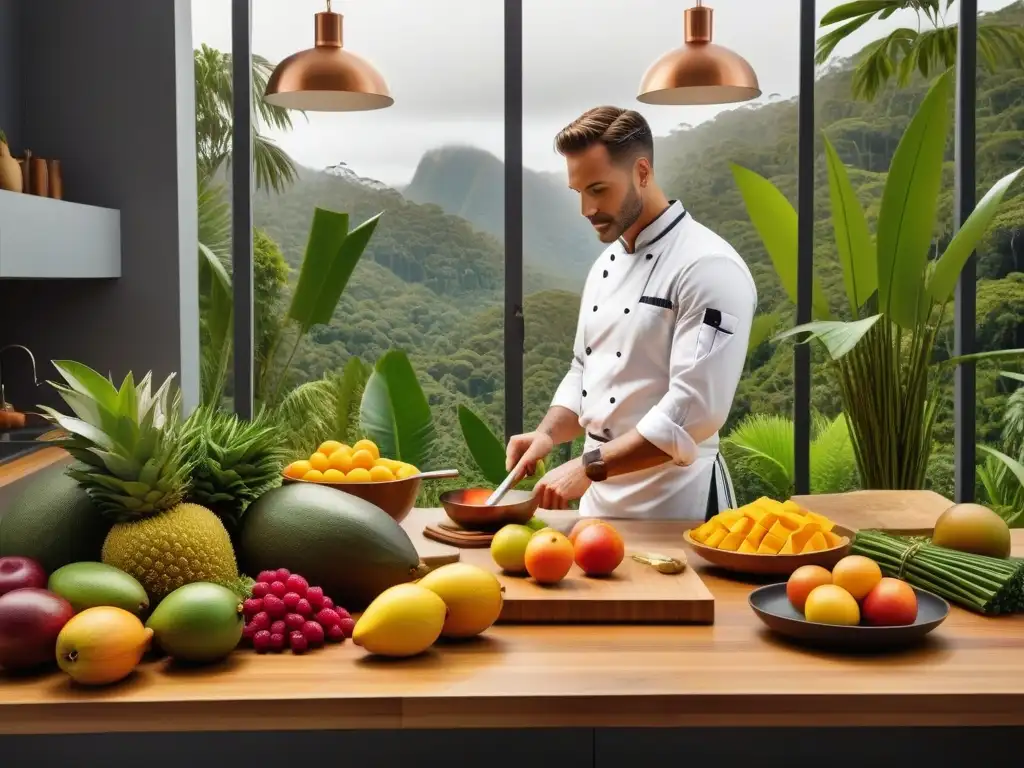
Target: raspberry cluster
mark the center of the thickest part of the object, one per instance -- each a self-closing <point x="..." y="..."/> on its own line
<point x="284" y="611"/>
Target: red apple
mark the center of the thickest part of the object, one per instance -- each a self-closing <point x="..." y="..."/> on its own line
<point x="891" y="603"/>
<point x="30" y="620"/>
<point x="19" y="573"/>
<point x="598" y="549"/>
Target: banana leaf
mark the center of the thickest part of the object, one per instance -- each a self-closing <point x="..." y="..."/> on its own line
<point x="394" y="412"/>
<point x="762" y="327"/>
<point x="837" y="336"/>
<point x="487" y="450"/>
<point x="853" y="238"/>
<point x="220" y="310"/>
<point x="910" y="201"/>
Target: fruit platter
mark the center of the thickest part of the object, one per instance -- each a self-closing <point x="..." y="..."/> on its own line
<point x="853" y="607"/>
<point x="769" y="537"/>
<point x="360" y="470"/>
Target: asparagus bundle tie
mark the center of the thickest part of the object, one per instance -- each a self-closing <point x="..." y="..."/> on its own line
<point x="988" y="585"/>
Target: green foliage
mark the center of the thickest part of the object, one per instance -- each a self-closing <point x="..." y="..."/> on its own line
<point x="325" y="409"/>
<point x="488" y="451"/>
<point x="395" y="413"/>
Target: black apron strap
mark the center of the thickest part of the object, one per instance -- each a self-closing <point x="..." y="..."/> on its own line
<point x="712" y="505"/>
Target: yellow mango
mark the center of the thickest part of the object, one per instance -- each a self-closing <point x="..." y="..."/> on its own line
<point x="729" y="517"/>
<point x="732" y="541"/>
<point x="816" y="542"/>
<point x="753" y="513"/>
<point x="742" y="526"/>
<point x="757" y="534"/>
<point x="782" y="528"/>
<point x="770" y="544"/>
<point x="832" y="539"/>
<point x="791" y="506"/>
<point x="821" y="520"/>
<point x="802" y="535"/>
<point x="702" y="531"/>
<point x="789" y="548"/>
<point x="716" y="537"/>
<point x="747" y="548"/>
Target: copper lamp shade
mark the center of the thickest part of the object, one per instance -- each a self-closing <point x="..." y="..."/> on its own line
<point x="700" y="72"/>
<point x="327" y="78"/>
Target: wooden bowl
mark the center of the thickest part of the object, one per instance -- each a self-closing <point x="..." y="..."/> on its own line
<point x="516" y="507"/>
<point x="773" y="565"/>
<point x="396" y="497"/>
<point x="773" y="608"/>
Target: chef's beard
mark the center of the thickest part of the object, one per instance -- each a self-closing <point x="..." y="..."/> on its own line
<point x="629" y="212"/>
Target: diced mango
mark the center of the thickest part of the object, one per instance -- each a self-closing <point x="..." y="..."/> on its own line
<point x="770" y="544"/>
<point x="732" y="541"/>
<point x="747" y="548"/>
<point x="821" y="520"/>
<point x="783" y="527"/>
<point x="716" y="537"/>
<point x="729" y="517"/>
<point x="769" y="505"/>
<point x="702" y="531"/>
<point x="757" y="534"/>
<point x="753" y="512"/>
<point x="832" y="539"/>
<point x="802" y="535"/>
<point x="789" y="548"/>
<point x="791" y="506"/>
<point x="742" y="526"/>
<point x="816" y="543"/>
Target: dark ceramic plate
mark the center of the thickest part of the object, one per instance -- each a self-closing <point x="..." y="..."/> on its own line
<point x="774" y="609"/>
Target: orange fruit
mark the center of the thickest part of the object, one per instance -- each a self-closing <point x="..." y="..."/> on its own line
<point x="319" y="462"/>
<point x="369" y="446"/>
<point x="802" y="581"/>
<point x="358" y="475"/>
<point x="857" y="574"/>
<point x="334" y="476"/>
<point x="379" y="474"/>
<point x="329" y="446"/>
<point x="548" y="557"/>
<point x="314" y="476"/>
<point x="341" y="459"/>
<point x="362" y="459"/>
<point x="297" y="469"/>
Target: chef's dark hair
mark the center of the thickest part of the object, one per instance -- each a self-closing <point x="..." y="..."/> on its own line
<point x="624" y="132"/>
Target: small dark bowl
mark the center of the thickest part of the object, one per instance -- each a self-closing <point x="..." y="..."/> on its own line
<point x="773" y="608"/>
<point x="516" y="507"/>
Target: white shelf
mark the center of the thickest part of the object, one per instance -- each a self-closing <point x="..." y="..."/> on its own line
<point x="53" y="239"/>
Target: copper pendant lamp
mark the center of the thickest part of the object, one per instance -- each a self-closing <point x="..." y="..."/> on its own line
<point x="327" y="78"/>
<point x="700" y="72"/>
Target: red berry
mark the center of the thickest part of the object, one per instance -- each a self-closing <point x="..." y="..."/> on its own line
<point x="252" y="606"/>
<point x="313" y="632"/>
<point x="299" y="642"/>
<point x="342" y="613"/>
<point x="260" y="589"/>
<point x="328" y="618"/>
<point x="276" y="641"/>
<point x="274" y="606"/>
<point x="283" y="574"/>
<point x="303" y="607"/>
<point x="261" y="641"/>
<point x="261" y="620"/>
<point x="347" y="625"/>
<point x="328" y="603"/>
<point x="315" y="595"/>
<point x="278" y="588"/>
<point x="278" y="627"/>
<point x="294" y="621"/>
<point x="296" y="583"/>
<point x="267" y="576"/>
<point x="248" y="631"/>
<point x="291" y="599"/>
<point x="335" y="634"/>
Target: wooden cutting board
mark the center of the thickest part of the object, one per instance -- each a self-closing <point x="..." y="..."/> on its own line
<point x="634" y="593"/>
<point x="895" y="511"/>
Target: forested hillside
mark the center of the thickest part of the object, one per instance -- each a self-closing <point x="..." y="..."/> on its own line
<point x="431" y="281"/>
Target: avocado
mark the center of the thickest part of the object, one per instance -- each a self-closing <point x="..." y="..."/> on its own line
<point x="199" y="622"/>
<point x="91" y="584"/>
<point x="350" y="547"/>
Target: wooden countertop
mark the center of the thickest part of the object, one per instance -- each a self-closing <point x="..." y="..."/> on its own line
<point x="23" y="466"/>
<point x="971" y="671"/>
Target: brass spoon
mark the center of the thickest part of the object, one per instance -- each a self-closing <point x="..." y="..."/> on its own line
<point x="661" y="563"/>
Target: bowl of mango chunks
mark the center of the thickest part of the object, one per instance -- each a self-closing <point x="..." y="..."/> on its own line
<point x="769" y="537"/>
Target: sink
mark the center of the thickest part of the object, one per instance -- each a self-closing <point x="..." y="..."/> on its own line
<point x="15" y="443"/>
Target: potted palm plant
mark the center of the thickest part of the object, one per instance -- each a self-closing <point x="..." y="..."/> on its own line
<point x="884" y="358"/>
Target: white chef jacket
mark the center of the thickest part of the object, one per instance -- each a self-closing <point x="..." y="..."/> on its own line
<point x="660" y="345"/>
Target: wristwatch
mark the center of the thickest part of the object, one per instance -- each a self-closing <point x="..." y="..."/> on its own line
<point x="594" y="466"/>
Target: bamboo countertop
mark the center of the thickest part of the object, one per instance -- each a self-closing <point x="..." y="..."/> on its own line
<point x="733" y="673"/>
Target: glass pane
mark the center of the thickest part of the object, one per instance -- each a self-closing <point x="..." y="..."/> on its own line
<point x="576" y="58"/>
<point x="211" y="41"/>
<point x="429" y="284"/>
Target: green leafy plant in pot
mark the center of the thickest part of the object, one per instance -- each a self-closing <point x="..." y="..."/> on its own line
<point x="884" y="356"/>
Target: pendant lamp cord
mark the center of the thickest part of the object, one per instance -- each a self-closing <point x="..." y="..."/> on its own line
<point x="328" y="6"/>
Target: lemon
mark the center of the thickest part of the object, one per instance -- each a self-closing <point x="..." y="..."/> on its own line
<point x="297" y="469"/>
<point x="358" y="475"/>
<point x="102" y="645"/>
<point x="381" y="474"/>
<point x="319" y="462"/>
<point x="473" y="596"/>
<point x="508" y="547"/>
<point x="341" y="459"/>
<point x="314" y="476"/>
<point x="369" y="446"/>
<point x="403" y="620"/>
<point x="329" y="446"/>
<point x="334" y="476"/>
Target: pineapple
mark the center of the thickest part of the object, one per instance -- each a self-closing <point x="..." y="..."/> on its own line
<point x="138" y="467"/>
<point x="236" y="462"/>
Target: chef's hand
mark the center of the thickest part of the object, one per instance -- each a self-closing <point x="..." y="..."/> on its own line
<point x="561" y="485"/>
<point x="524" y="451"/>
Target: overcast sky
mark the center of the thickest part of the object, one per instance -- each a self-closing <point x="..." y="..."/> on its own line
<point x="444" y="59"/>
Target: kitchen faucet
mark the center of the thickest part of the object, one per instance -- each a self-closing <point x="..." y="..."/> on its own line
<point x="6" y="409"/>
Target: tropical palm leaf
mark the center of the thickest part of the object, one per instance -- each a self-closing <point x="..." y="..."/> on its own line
<point x="394" y="412"/>
<point x="764" y="447"/>
<point x="833" y="463"/>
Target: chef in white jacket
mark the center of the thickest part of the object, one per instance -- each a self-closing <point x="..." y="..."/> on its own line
<point x="660" y="343"/>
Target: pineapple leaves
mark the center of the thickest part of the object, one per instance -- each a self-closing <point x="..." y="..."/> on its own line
<point x="906" y="219"/>
<point x="84" y="380"/>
